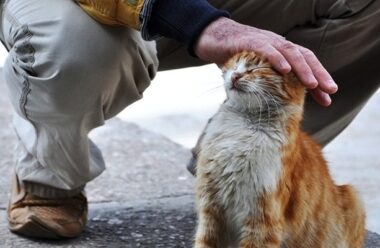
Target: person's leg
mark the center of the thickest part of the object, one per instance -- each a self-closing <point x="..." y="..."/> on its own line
<point x="66" y="74"/>
<point x="343" y="35"/>
<point x="349" y="50"/>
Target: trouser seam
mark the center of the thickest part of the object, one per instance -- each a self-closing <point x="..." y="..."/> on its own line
<point x="1" y="23"/>
<point x="28" y="36"/>
<point x="323" y="39"/>
<point x="26" y="42"/>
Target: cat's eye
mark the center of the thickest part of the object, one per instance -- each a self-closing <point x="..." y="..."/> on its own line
<point x="249" y="70"/>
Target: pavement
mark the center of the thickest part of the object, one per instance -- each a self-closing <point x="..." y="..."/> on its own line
<point x="145" y="198"/>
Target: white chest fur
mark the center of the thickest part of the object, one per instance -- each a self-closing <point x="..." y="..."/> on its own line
<point x="245" y="162"/>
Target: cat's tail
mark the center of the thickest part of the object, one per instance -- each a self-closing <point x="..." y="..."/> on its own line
<point x="354" y="215"/>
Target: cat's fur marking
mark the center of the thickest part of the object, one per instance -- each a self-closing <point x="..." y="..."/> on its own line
<point x="261" y="182"/>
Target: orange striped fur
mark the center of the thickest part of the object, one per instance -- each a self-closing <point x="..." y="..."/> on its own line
<point x="261" y="181"/>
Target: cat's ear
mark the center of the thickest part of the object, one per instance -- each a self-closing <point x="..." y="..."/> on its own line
<point x="223" y="67"/>
<point x="229" y="64"/>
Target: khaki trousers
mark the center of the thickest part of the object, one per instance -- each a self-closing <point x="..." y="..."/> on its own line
<point x="67" y="74"/>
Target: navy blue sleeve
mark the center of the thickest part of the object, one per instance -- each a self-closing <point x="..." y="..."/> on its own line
<point x="182" y="20"/>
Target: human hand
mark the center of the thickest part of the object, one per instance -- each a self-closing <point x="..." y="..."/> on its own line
<point x="225" y="37"/>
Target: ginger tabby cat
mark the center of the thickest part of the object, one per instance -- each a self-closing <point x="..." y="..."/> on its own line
<point x="261" y="181"/>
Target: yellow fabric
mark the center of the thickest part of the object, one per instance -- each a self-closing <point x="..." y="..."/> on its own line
<point x="114" y="12"/>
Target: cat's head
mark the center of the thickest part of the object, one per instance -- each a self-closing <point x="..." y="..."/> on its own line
<point x="252" y="83"/>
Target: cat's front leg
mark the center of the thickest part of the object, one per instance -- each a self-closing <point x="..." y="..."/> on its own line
<point x="264" y="230"/>
<point x="210" y="231"/>
<point x="259" y="236"/>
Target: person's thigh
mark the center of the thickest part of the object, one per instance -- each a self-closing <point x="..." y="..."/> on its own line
<point x="350" y="50"/>
<point x="66" y="74"/>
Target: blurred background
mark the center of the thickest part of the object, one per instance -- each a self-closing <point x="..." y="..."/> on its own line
<point x="179" y="103"/>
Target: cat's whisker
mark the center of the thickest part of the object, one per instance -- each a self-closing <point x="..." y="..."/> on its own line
<point x="211" y="90"/>
<point x="263" y="96"/>
<point x="272" y="103"/>
<point x="259" y="102"/>
<point x="273" y="100"/>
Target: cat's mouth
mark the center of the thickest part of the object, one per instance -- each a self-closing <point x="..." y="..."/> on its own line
<point x="240" y="86"/>
<point x="235" y="87"/>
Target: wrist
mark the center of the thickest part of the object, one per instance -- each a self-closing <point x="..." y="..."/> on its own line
<point x="207" y="27"/>
<point x="213" y="39"/>
<point x="181" y="20"/>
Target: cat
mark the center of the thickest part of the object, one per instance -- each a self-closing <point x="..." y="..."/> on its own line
<point x="262" y="182"/>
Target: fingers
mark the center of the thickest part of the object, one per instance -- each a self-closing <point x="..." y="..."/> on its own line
<point x="285" y="55"/>
<point x="309" y="70"/>
<point x="299" y="64"/>
<point x="307" y="67"/>
<point x="325" y="81"/>
<point x="276" y="59"/>
<point x="320" y="97"/>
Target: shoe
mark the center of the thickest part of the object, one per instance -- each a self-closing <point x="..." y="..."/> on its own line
<point x="37" y="217"/>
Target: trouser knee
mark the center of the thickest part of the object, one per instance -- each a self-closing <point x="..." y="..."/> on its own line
<point x="65" y="77"/>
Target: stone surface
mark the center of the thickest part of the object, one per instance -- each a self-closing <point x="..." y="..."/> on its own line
<point x="144" y="199"/>
<point x="141" y="165"/>
<point x="166" y="222"/>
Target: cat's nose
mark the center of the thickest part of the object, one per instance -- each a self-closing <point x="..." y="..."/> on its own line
<point x="235" y="77"/>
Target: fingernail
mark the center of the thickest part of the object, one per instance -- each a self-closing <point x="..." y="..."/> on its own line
<point x="327" y="99"/>
<point x="285" y="67"/>
<point x="332" y="85"/>
<point x="312" y="82"/>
